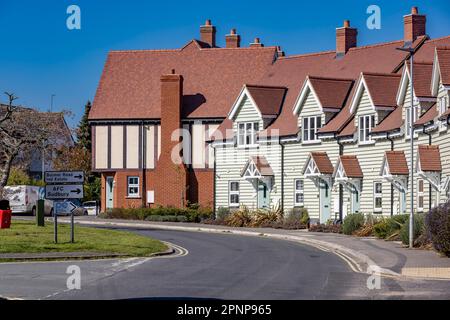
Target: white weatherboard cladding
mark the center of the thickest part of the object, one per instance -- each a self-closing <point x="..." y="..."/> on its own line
<point x="295" y="157"/>
<point x="101" y="147"/>
<point x="132" y="147"/>
<point x="230" y="162"/>
<point x="247" y="112"/>
<point x="364" y="108"/>
<point x="310" y="108"/>
<point x="117" y="147"/>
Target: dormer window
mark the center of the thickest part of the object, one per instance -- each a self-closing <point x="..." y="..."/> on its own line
<point x="408" y="121"/>
<point x="366" y="124"/>
<point x="247" y="132"/>
<point x="310" y="127"/>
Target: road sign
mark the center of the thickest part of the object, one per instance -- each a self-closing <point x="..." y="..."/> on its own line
<point x="65" y="207"/>
<point x="62" y="191"/>
<point x="64" y="177"/>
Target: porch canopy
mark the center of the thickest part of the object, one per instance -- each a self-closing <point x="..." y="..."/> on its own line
<point x="395" y="169"/>
<point x="348" y="173"/>
<point x="257" y="167"/>
<point x="318" y="167"/>
<point x="429" y="165"/>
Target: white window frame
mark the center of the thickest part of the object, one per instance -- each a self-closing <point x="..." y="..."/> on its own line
<point x="364" y="136"/>
<point x="249" y="130"/>
<point x="299" y="191"/>
<point x="408" y="118"/>
<point x="234" y="192"/>
<point x="420" y="194"/>
<point x="310" y="126"/>
<point x="443" y="106"/>
<point x="131" y="185"/>
<point x="377" y="195"/>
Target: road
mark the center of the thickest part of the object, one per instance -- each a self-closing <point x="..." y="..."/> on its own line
<point x="214" y="266"/>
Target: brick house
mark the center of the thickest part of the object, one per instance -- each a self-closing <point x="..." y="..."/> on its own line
<point x="151" y="102"/>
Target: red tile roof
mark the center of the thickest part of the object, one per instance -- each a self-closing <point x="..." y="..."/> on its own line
<point x="130" y="84"/>
<point x="383" y="88"/>
<point x="443" y="54"/>
<point x="430" y="115"/>
<point x="393" y="121"/>
<point x="263" y="166"/>
<point x="423" y="72"/>
<point x="349" y="129"/>
<point x="323" y="163"/>
<point x="351" y="166"/>
<point x="397" y="163"/>
<point x="430" y="158"/>
<point x="268" y="99"/>
<point x="331" y="92"/>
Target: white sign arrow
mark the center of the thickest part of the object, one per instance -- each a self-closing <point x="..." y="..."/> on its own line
<point x="64" y="177"/>
<point x="66" y="207"/>
<point x="55" y="192"/>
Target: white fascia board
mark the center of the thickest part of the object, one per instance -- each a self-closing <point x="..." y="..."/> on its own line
<point x="404" y="81"/>
<point x="436" y="76"/>
<point x="362" y="85"/>
<point x="244" y="93"/>
<point x="306" y="88"/>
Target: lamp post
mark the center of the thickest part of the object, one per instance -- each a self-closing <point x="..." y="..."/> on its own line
<point x="411" y="52"/>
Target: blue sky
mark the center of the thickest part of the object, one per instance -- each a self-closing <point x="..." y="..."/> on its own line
<point x="39" y="56"/>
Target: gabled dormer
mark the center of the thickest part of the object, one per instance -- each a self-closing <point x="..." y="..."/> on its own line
<point x="255" y="108"/>
<point x="423" y="98"/>
<point x="320" y="99"/>
<point x="440" y="84"/>
<point x="372" y="102"/>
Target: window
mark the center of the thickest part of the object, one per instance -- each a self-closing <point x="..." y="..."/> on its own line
<point x="420" y="195"/>
<point x="408" y="121"/>
<point x="299" y="193"/>
<point x="378" y="197"/>
<point x="442" y="104"/>
<point x="247" y="133"/>
<point x="133" y="187"/>
<point x="310" y="127"/>
<point x="234" y="194"/>
<point x="366" y="124"/>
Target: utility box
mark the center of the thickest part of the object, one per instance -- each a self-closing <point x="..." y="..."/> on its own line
<point x="5" y="214"/>
<point x="150" y="196"/>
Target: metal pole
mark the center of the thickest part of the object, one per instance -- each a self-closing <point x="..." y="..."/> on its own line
<point x="43" y="160"/>
<point x="411" y="217"/>
<point x="72" y="232"/>
<point x="55" y="220"/>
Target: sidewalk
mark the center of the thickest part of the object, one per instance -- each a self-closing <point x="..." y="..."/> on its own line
<point x="391" y="257"/>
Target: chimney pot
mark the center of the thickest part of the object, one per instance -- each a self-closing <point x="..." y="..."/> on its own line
<point x="232" y="31"/>
<point x="414" y="25"/>
<point x="208" y="33"/>
<point x="346" y="23"/>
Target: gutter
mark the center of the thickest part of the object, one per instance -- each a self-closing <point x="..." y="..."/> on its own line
<point x="341" y="189"/>
<point x="430" y="188"/>
<point x="388" y="137"/>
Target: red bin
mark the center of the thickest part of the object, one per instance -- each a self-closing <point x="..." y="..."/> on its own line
<point x="5" y="214"/>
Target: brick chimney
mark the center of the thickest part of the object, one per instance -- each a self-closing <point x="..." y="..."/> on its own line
<point x="208" y="34"/>
<point x="233" y="40"/>
<point x="170" y="174"/>
<point x="415" y="25"/>
<point x="346" y="38"/>
<point x="256" y="43"/>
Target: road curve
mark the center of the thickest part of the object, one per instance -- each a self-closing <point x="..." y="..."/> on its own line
<point x="231" y="267"/>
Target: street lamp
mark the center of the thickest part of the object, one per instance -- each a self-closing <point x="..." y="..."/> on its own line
<point x="411" y="52"/>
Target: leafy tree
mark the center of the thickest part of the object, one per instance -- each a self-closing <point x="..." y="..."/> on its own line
<point x="18" y="177"/>
<point x="84" y="136"/>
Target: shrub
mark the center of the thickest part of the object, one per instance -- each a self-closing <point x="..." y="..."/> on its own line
<point x="352" y="223"/>
<point x="262" y="218"/>
<point x="239" y="218"/>
<point x="419" y="229"/>
<point x="437" y="224"/>
<point x="326" y="228"/>
<point x="222" y="213"/>
<point x="381" y="229"/>
<point x="389" y="228"/>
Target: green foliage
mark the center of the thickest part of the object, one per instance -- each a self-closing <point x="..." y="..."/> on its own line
<point x="222" y="213"/>
<point x="84" y="135"/>
<point x="298" y="214"/>
<point x="419" y="229"/>
<point x="389" y="227"/>
<point x="92" y="189"/>
<point x="326" y="228"/>
<point x="239" y="218"/>
<point x="352" y="223"/>
<point x="437" y="224"/>
<point x="18" y="177"/>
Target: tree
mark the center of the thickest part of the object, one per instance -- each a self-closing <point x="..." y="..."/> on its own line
<point x="84" y="136"/>
<point x="22" y="132"/>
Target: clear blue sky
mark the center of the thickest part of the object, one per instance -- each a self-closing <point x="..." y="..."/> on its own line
<point x="39" y="56"/>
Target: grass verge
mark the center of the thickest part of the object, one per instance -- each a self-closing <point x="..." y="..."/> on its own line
<point x="26" y="237"/>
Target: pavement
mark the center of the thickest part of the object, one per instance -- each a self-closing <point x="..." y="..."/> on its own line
<point x="364" y="254"/>
<point x="212" y="266"/>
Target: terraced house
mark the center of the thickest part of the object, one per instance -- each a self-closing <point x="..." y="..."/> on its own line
<point x="329" y="131"/>
<point x="325" y="131"/>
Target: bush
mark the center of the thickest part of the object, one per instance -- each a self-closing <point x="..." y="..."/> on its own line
<point x="222" y="213"/>
<point x="437" y="224"/>
<point x="239" y="218"/>
<point x="419" y="229"/>
<point x="326" y="228"/>
<point x="390" y="227"/>
<point x="263" y="218"/>
<point x="352" y="223"/>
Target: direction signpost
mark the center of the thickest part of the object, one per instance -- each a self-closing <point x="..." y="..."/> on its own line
<point x="61" y="187"/>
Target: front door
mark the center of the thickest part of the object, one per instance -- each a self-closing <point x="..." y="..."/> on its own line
<point x="355" y="200"/>
<point x="325" y="201"/>
<point x="263" y="196"/>
<point x="109" y="192"/>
